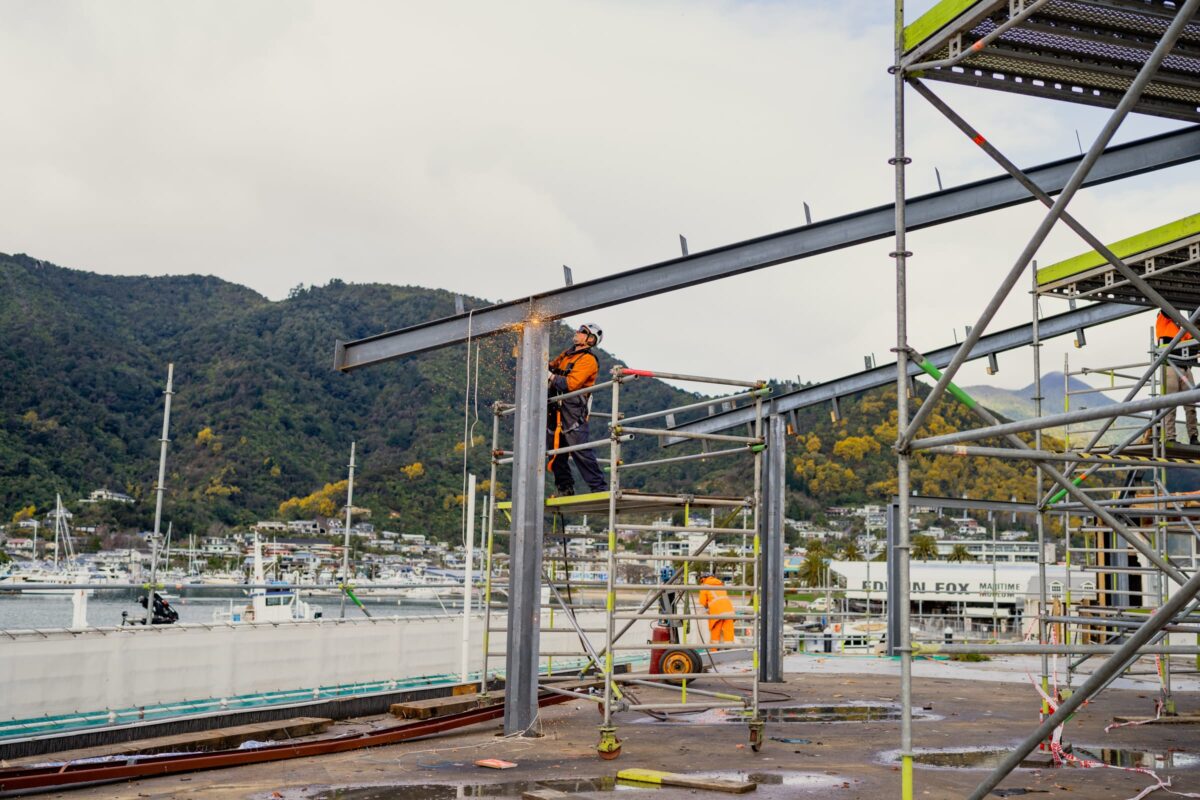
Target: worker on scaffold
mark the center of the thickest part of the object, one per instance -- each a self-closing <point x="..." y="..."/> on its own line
<point x="567" y="417"/>
<point x="715" y="600"/>
<point x="1177" y="374"/>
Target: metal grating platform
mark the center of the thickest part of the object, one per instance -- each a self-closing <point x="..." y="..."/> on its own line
<point x="1167" y="257"/>
<point x="1079" y="51"/>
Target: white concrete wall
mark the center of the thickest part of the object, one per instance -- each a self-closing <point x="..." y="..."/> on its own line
<point x="65" y="672"/>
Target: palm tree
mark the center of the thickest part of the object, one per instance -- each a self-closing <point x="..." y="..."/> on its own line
<point x="924" y="548"/>
<point x="812" y="569"/>
<point x="851" y="551"/>
<point x="960" y="553"/>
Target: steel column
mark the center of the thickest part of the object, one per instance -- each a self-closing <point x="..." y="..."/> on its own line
<point x="770" y="644"/>
<point x="893" y="585"/>
<point x="525" y="544"/>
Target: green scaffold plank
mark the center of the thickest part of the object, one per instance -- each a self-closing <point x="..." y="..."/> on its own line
<point x="933" y="21"/>
<point x="1138" y="243"/>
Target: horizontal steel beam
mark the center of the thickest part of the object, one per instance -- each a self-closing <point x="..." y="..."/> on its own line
<point x="1002" y="506"/>
<point x="990" y="344"/>
<point x="1121" y="161"/>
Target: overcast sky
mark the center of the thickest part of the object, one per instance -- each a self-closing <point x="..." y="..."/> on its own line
<point x="478" y="146"/>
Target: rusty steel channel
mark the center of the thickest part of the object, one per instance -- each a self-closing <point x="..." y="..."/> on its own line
<point x="20" y="781"/>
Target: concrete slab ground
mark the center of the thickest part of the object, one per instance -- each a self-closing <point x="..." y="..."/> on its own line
<point x="986" y="706"/>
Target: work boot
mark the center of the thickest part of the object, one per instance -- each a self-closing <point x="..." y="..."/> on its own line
<point x="566" y="491"/>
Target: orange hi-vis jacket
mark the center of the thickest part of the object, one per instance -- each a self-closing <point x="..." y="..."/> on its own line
<point x="572" y="369"/>
<point x="1165" y="329"/>
<point x="715" y="600"/>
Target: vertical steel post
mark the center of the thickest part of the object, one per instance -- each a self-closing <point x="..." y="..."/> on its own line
<point x="346" y="536"/>
<point x="770" y="645"/>
<point x="609" y="746"/>
<point x="525" y="550"/>
<point x="900" y="549"/>
<point x="756" y="722"/>
<point x="158" y="491"/>
<point x="1043" y="608"/>
<point x="491" y="541"/>
<point x="467" y="575"/>
<point x="893" y="585"/>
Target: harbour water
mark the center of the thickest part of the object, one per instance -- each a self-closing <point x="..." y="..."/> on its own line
<point x="33" y="611"/>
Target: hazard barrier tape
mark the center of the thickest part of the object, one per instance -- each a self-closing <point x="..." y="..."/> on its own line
<point x="1062" y="757"/>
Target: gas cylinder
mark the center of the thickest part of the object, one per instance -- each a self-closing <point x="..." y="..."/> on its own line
<point x="659" y="634"/>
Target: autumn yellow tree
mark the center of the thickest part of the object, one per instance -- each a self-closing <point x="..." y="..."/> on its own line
<point x="323" y="502"/>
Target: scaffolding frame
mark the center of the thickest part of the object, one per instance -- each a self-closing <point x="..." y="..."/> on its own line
<point x="765" y="446"/>
<point x="1113" y="55"/>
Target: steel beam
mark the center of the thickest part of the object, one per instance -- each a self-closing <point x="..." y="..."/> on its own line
<point x="1189" y="397"/>
<point x="774" y="502"/>
<point x="1001" y="191"/>
<point x="998" y="506"/>
<point x="999" y="342"/>
<point x="528" y="513"/>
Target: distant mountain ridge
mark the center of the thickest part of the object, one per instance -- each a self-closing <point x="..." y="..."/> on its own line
<point x="1017" y="404"/>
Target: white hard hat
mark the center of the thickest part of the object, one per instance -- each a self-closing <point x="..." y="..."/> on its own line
<point x="592" y="329"/>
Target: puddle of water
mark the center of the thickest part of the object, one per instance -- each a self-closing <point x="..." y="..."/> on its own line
<point x="990" y="758"/>
<point x="1139" y="758"/>
<point x="968" y="759"/>
<point x="846" y="712"/>
<point x="445" y="791"/>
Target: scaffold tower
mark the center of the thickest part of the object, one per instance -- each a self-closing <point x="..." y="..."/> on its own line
<point x="598" y="596"/>
<point x="1111" y="490"/>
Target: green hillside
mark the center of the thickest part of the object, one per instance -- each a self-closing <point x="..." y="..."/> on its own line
<point x="260" y="417"/>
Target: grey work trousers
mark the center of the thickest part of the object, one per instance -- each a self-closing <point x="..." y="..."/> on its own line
<point x="1178" y="379"/>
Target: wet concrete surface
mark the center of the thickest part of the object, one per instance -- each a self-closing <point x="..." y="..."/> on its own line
<point x="840" y="759"/>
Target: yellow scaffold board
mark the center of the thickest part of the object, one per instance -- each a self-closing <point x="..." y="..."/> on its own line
<point x="1162" y="256"/>
<point x="657" y="778"/>
<point x="597" y="502"/>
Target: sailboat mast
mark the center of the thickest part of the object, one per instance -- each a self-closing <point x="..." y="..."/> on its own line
<point x="346" y="536"/>
<point x="160" y="488"/>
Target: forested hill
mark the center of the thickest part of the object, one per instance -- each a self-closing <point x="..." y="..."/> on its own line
<point x="259" y="416"/>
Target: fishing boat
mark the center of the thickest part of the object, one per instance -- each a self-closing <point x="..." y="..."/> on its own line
<point x="270" y="601"/>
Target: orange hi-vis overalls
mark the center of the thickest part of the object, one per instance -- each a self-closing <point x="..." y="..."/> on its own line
<point x="717" y="602"/>
<point x="1177" y="376"/>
